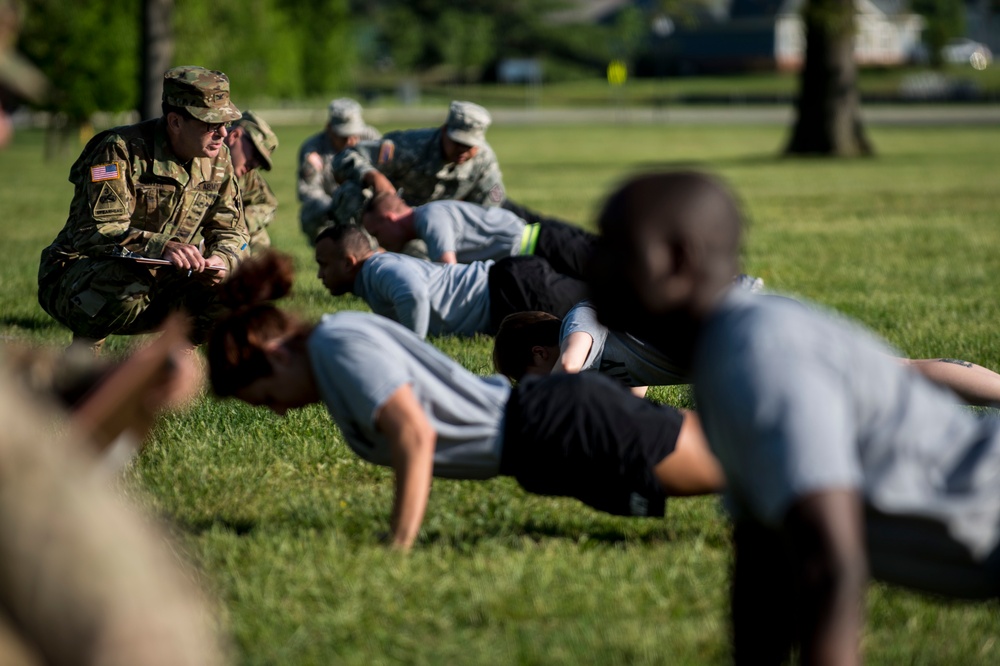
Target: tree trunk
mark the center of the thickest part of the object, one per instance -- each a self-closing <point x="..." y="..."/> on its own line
<point x="157" y="51"/>
<point x="828" y="106"/>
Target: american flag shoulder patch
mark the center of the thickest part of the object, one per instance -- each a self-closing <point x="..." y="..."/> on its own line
<point x="104" y="172"/>
<point x="386" y="151"/>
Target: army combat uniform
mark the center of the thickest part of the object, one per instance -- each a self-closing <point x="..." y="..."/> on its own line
<point x="259" y="204"/>
<point x="133" y="194"/>
<point x="317" y="186"/>
<point x="413" y="162"/>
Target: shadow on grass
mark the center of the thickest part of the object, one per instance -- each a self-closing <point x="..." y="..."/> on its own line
<point x="605" y="534"/>
<point x="460" y="537"/>
<point x="238" y="526"/>
<point x="764" y="159"/>
<point x="541" y="531"/>
<point x="30" y="323"/>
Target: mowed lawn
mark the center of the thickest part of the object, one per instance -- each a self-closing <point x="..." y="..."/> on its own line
<point x="283" y="521"/>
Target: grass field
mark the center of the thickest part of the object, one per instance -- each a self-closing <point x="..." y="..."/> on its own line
<point x="283" y="521"/>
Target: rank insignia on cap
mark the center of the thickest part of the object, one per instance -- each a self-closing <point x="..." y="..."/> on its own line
<point x="386" y="151"/>
<point x="104" y="172"/>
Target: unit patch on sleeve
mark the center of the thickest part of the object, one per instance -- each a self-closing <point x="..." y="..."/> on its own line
<point x="104" y="172"/>
<point x="108" y="205"/>
<point x="386" y="151"/>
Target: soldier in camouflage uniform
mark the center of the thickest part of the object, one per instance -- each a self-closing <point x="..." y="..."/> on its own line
<point x="453" y="161"/>
<point x="146" y="191"/>
<point x="251" y="142"/>
<point x="316" y="187"/>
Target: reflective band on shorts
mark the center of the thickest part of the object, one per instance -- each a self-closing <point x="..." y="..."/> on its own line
<point x="529" y="238"/>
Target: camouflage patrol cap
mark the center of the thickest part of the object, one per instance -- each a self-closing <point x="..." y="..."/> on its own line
<point x="467" y="123"/>
<point x="204" y="93"/>
<point x="348" y="203"/>
<point x="261" y="134"/>
<point x="345" y="117"/>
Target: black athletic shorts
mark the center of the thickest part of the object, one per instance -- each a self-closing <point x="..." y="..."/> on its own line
<point x="567" y="247"/>
<point x="520" y="284"/>
<point x="588" y="437"/>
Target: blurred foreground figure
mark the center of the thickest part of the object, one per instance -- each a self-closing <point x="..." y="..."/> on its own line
<point x="19" y="79"/>
<point x="83" y="578"/>
<point x="839" y="460"/>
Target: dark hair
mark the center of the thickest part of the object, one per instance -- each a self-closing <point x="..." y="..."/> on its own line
<point x="350" y="237"/>
<point x="166" y="108"/>
<point x="236" y="346"/>
<point x="518" y="333"/>
<point x="674" y="205"/>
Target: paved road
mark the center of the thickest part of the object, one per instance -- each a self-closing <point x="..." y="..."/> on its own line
<point x="950" y="114"/>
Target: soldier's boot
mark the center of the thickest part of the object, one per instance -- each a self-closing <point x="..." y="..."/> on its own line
<point x="93" y="345"/>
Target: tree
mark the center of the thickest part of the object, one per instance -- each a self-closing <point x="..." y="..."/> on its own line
<point x="945" y="20"/>
<point x="157" y="50"/>
<point x="326" y="43"/>
<point x="468" y="45"/>
<point x="253" y="41"/>
<point x="86" y="49"/>
<point x="828" y="108"/>
<point x="403" y="36"/>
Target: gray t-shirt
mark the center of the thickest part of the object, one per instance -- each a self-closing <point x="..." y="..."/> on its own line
<point x="360" y="360"/>
<point x="795" y="401"/>
<point x="427" y="298"/>
<point x="472" y="232"/>
<point x="620" y="355"/>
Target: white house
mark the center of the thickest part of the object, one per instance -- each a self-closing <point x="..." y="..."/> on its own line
<point x="887" y="34"/>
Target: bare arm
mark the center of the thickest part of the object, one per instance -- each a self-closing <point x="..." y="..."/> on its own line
<point x="973" y="383"/>
<point x="376" y="180"/>
<point x="690" y="469"/>
<point x="447" y="258"/>
<point x="411" y="440"/>
<point x="573" y="352"/>
<point x="160" y="375"/>
<point x="825" y="531"/>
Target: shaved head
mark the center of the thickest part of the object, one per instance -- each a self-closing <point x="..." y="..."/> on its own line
<point x="669" y="242"/>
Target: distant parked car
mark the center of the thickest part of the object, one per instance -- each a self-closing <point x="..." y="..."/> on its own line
<point x="967" y="51"/>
